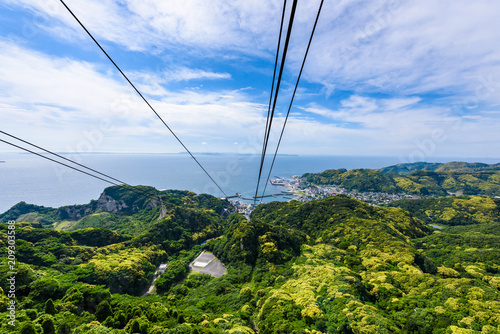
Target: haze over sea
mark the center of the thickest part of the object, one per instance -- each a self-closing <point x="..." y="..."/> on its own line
<point x="25" y="177"/>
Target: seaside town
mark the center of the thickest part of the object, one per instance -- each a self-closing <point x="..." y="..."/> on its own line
<point x="301" y="190"/>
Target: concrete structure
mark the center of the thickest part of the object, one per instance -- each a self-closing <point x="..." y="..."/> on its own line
<point x="207" y="263"/>
<point x="162" y="268"/>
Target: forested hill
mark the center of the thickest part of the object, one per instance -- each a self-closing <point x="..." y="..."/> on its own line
<point x="451" y="211"/>
<point x="334" y="265"/>
<point x="454" y="166"/>
<point x="118" y="208"/>
<point x="417" y="179"/>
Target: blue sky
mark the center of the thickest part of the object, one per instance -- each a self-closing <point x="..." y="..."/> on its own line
<point x="413" y="79"/>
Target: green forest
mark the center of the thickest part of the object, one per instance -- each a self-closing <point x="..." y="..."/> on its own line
<point x="423" y="179"/>
<point x="335" y="265"/>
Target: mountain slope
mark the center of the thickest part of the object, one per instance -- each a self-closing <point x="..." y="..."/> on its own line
<point x="454" y="166"/>
<point x="117" y="208"/>
<point x="464" y="210"/>
<point x="416" y="179"/>
<point x="330" y="266"/>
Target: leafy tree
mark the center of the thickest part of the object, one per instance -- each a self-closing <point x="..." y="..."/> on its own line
<point x="109" y="322"/>
<point x="31" y="313"/>
<point x="103" y="311"/>
<point x="64" y="328"/>
<point x="425" y="264"/>
<point x="49" y="307"/>
<point x="48" y="326"/>
<point x="175" y="272"/>
<point x="27" y="328"/>
<point x="120" y="320"/>
<point x="45" y="288"/>
<point x="134" y="326"/>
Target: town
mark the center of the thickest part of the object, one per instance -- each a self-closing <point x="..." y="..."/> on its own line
<point x="302" y="191"/>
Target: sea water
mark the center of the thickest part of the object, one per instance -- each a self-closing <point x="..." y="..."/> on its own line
<point x="30" y="178"/>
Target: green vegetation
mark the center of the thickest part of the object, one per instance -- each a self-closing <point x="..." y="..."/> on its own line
<point x="117" y="209"/>
<point x="330" y="266"/>
<point x="416" y="179"/>
<point x="455" y="166"/>
<point x="463" y="210"/>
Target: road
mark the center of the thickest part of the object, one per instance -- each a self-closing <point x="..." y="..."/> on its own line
<point x="155" y="277"/>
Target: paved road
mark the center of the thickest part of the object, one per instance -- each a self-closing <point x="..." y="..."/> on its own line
<point x="155" y="277"/>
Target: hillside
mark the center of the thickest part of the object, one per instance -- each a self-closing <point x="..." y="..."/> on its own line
<point x="117" y="209"/>
<point x="416" y="179"/>
<point x="330" y="266"/>
<point x="450" y="211"/>
<point x="454" y="166"/>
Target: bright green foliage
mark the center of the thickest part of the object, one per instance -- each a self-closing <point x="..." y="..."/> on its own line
<point x="455" y="166"/>
<point x="27" y="328"/>
<point x="182" y="228"/>
<point x="46" y="288"/>
<point x="40" y="214"/>
<point x="118" y="208"/>
<point x="103" y="311"/>
<point x="317" y="218"/>
<point x="454" y="210"/>
<point x="134" y="326"/>
<point x="175" y="272"/>
<point x="97" y="237"/>
<point x="330" y="266"/>
<point x="49" y="307"/>
<point x="123" y="269"/>
<point x="365" y="180"/>
<point x="440" y="181"/>
<point x="48" y="326"/>
<point x="248" y="241"/>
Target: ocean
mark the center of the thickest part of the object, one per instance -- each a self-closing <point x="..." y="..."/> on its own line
<point x="32" y="179"/>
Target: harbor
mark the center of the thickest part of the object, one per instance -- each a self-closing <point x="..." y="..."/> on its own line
<point x="300" y="190"/>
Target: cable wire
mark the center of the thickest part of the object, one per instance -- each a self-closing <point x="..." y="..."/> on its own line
<point x="264" y="142"/>
<point x="293" y="96"/>
<point x="61" y="157"/>
<point x="61" y="163"/>
<point x="285" y="49"/>
<point x="123" y="184"/>
<point x="140" y="94"/>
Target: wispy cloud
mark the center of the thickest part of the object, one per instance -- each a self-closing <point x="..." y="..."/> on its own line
<point x="152" y="83"/>
<point x="409" y="47"/>
<point x="69" y="96"/>
<point x="381" y="45"/>
<point x="184" y="74"/>
<point x="381" y="74"/>
<point x="153" y="26"/>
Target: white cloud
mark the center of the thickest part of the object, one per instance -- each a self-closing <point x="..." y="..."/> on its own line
<point x="359" y="104"/>
<point x="406" y="49"/>
<point x="151" y="83"/>
<point x="399" y="103"/>
<point x="30" y="79"/>
<point x="402" y="126"/>
<point x="178" y="74"/>
<point x="410" y="47"/>
<point x="366" y="111"/>
<point x="152" y="26"/>
<point x="54" y="100"/>
<point x="185" y="73"/>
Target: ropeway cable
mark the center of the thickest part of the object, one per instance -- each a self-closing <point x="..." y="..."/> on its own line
<point x="293" y="96"/>
<point x="140" y="94"/>
<point x="264" y="142"/>
<point x="121" y="183"/>
<point x="285" y="49"/>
